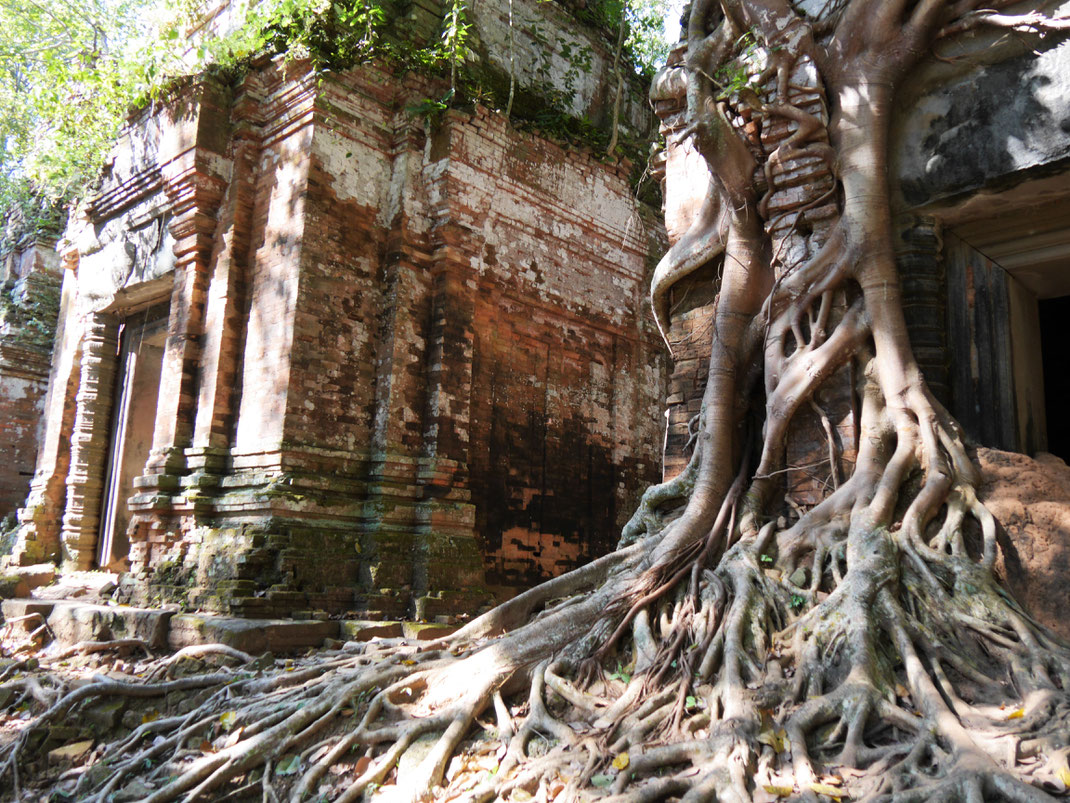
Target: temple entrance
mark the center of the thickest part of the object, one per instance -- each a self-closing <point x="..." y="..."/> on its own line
<point x="1055" y="349"/>
<point x="1009" y="316"/>
<point x="141" y="348"/>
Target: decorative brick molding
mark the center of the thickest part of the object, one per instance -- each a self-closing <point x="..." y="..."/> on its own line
<point x="89" y="442"/>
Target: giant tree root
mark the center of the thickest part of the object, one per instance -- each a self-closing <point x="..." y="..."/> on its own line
<point x="896" y="676"/>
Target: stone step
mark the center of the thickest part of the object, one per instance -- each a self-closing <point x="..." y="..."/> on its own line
<point x="19" y="581"/>
<point x="74" y="621"/>
<point x="254" y="636"/>
<point x="71" y="621"/>
<point x="360" y="630"/>
<point x="427" y="631"/>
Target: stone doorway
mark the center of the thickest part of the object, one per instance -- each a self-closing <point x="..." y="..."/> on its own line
<point x="142" y="339"/>
<point x="1009" y="315"/>
<point x="1054" y="315"/>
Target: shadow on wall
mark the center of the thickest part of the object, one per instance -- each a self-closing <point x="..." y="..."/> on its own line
<point x="993" y="128"/>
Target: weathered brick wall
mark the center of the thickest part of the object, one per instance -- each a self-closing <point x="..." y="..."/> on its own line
<point x="331" y="389"/>
<point x="552" y="419"/>
<point x="277" y="236"/>
<point x="29" y="306"/>
<point x="565" y="408"/>
<point x="22" y="392"/>
<point x="690" y="330"/>
<point x="402" y="359"/>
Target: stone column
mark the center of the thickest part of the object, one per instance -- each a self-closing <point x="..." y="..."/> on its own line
<point x="41" y="517"/>
<point x="449" y="562"/>
<point x="89" y="441"/>
<point x="195" y="184"/>
<point x="922" y="274"/>
<point x="224" y="325"/>
<point x="152" y="529"/>
<point x="177" y="402"/>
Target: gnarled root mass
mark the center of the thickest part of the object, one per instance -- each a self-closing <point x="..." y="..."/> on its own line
<point x="739" y="645"/>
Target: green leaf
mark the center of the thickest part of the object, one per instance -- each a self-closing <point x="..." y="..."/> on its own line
<point x="288" y="765"/>
<point x="601" y="781"/>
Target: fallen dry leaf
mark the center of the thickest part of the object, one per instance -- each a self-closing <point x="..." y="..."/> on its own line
<point x="778" y="791"/>
<point x="829" y="791"/>
<point x="233" y="737"/>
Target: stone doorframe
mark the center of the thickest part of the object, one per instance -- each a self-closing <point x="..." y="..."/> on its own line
<point x="89" y="441"/>
<point x="91" y="434"/>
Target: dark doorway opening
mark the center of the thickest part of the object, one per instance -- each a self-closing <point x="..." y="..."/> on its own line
<point x="1054" y="316"/>
<point x="142" y="339"/>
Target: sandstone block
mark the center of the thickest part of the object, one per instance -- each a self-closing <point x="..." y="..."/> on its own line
<point x="250" y="635"/>
<point x="358" y="630"/>
<point x="421" y="631"/>
<point x="72" y="622"/>
<point x="17" y="608"/>
<point x="70" y="753"/>
<point x="12" y="586"/>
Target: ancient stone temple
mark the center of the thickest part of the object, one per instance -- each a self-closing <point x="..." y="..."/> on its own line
<point x="321" y="353"/>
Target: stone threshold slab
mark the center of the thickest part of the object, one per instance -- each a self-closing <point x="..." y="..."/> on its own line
<point x="73" y="621"/>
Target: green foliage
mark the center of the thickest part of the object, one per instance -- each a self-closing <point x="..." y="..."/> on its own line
<point x="72" y="70"/>
<point x="330" y="34"/>
<point x="735" y="76"/>
<point x="644" y="44"/>
<point x="60" y="90"/>
<point x="645" y="41"/>
<point x="431" y="109"/>
<point x="454" y="39"/>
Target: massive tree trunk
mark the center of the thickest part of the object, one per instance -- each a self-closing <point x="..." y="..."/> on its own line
<point x="737" y="646"/>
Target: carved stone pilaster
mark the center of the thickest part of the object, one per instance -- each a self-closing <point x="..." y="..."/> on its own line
<point x="195" y="185"/>
<point x="89" y="441"/>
